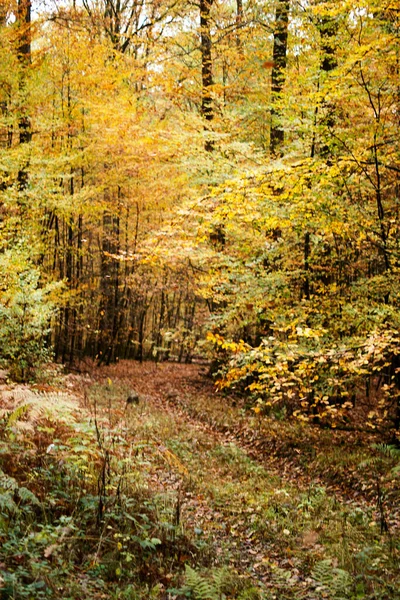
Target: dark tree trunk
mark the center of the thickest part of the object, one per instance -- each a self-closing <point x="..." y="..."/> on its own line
<point x="278" y="74"/>
<point x="24" y="57"/>
<point x="24" y="31"/>
<point x="307" y="250"/>
<point x="206" y="67"/>
<point x="239" y="22"/>
<point x="328" y="30"/>
<point x="110" y="276"/>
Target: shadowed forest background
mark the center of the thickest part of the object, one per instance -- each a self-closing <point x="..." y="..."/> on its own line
<point x="214" y="180"/>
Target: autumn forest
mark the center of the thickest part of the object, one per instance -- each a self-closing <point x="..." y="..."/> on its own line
<point x="199" y="273"/>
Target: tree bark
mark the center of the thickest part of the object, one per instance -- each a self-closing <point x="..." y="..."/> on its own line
<point x="328" y="31"/>
<point x="239" y="22"/>
<point x="24" y="57"/>
<point x="24" y="31"/>
<point x="277" y="135"/>
<point x="206" y="68"/>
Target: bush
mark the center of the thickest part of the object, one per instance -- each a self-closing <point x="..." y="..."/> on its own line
<point x="26" y="308"/>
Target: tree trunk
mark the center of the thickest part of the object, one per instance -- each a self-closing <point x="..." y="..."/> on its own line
<point x="24" y="57"/>
<point x="307" y="250"/>
<point x="206" y="68"/>
<point x="328" y="30"/>
<point x="277" y="136"/>
<point x="239" y="22"/>
<point x="109" y="286"/>
<point x="24" y="31"/>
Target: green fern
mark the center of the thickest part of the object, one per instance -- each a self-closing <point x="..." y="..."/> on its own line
<point x="16" y="414"/>
<point x="8" y="485"/>
<point x="336" y="582"/>
<point x="221" y="578"/>
<point x="391" y="452"/>
<point x="28" y="496"/>
<point x="388" y="450"/>
<point x="8" y="490"/>
<point x="7" y="503"/>
<point x="202" y="587"/>
<point x="7" y="482"/>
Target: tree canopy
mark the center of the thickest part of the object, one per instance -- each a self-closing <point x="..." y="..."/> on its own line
<point x="225" y="171"/>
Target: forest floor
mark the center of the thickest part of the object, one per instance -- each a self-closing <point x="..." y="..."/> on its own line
<point x="188" y="494"/>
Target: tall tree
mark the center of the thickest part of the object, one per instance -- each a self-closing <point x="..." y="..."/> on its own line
<point x="24" y="57"/>
<point x="328" y="28"/>
<point x="279" y="58"/>
<point x="207" y="109"/>
<point x="239" y="21"/>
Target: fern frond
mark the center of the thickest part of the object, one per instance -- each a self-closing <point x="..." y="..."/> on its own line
<point x="369" y="462"/>
<point x="388" y="450"/>
<point x="337" y="582"/>
<point x="16" y="414"/>
<point x="7" y="482"/>
<point x="28" y="496"/>
<point x="220" y="577"/>
<point x="202" y="588"/>
<point x="173" y="461"/>
<point x="7" y="503"/>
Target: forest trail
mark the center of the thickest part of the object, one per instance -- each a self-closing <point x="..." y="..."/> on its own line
<point x="292" y="451"/>
<point x="233" y="503"/>
<point x="186" y="494"/>
<point x="246" y="492"/>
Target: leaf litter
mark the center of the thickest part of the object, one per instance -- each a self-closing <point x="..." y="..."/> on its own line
<point x="271" y="499"/>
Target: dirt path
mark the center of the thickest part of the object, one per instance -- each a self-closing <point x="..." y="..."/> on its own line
<point x="293" y="452"/>
<point x="263" y="515"/>
<point x="188" y="479"/>
<point x="212" y="477"/>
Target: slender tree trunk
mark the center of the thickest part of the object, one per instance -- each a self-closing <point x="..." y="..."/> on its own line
<point x="307" y="250"/>
<point x="79" y="274"/>
<point x="109" y="284"/>
<point x="142" y="319"/>
<point x="24" y="31"/>
<point x="239" y="22"/>
<point x="328" y="31"/>
<point x="277" y="136"/>
<point x="24" y="57"/>
<point x="68" y="311"/>
<point x="206" y="68"/>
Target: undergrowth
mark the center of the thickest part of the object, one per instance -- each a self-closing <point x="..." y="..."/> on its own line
<point x="106" y="500"/>
<point x="76" y="514"/>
